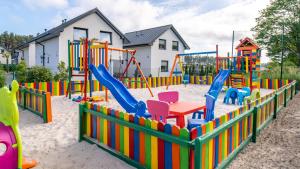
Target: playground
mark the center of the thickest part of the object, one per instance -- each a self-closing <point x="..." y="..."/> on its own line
<point x="153" y="122"/>
<point x="58" y="146"/>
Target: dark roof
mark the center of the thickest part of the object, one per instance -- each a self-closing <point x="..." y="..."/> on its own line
<point x="148" y="36"/>
<point x="54" y="32"/>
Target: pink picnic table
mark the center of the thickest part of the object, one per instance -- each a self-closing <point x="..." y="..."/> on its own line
<point x="179" y="109"/>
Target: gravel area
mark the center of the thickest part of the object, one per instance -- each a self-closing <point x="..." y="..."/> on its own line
<point x="278" y="145"/>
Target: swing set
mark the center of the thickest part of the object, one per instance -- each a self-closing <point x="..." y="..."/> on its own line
<point x="179" y="58"/>
<point x="83" y="53"/>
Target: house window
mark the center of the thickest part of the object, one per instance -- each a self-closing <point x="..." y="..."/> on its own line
<point x="164" y="66"/>
<point x="106" y="36"/>
<point x="162" y="44"/>
<point x="48" y="60"/>
<point x="2" y="51"/>
<point x="80" y="34"/>
<point x="175" y="45"/>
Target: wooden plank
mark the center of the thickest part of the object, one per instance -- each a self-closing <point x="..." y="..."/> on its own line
<point x="148" y="145"/>
<point x="154" y="147"/>
<point x="142" y="142"/>
<point x="136" y="141"/>
<point x="184" y="151"/>
<point x="175" y="149"/>
<point x="168" y="148"/>
<point x="131" y="138"/>
<point x="161" y="147"/>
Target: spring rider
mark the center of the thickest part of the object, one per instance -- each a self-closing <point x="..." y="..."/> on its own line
<point x="10" y="137"/>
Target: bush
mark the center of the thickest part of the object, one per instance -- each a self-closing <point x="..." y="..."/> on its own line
<point x="10" y="67"/>
<point x="38" y="74"/>
<point x="62" y="72"/>
<point x="2" y="78"/>
<point x="289" y="71"/>
<point x="21" y="72"/>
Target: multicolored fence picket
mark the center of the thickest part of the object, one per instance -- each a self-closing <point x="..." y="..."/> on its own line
<point x="59" y="88"/>
<point x="145" y="143"/>
<point x="36" y="101"/>
<point x="139" y="141"/>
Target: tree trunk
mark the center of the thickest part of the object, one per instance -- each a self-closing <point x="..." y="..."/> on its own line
<point x="7" y="68"/>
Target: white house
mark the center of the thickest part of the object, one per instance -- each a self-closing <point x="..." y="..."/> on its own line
<point x="51" y="47"/>
<point x="2" y="59"/>
<point x="155" y="49"/>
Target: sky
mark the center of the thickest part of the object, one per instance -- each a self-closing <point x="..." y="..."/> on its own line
<point x="202" y="23"/>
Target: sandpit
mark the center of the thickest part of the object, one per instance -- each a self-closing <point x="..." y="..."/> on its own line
<point x="55" y="145"/>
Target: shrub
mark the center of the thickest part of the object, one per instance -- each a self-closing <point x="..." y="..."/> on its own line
<point x="62" y="72"/>
<point x="2" y="78"/>
<point x="39" y="74"/>
<point x="10" y="67"/>
<point x="21" y="72"/>
<point x="289" y="71"/>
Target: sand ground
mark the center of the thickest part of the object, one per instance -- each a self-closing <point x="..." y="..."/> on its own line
<point x="55" y="145"/>
<point x="278" y="145"/>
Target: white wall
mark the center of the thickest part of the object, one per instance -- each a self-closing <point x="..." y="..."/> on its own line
<point x="2" y="59"/>
<point x="94" y="24"/>
<point x="143" y="55"/>
<point x="157" y="54"/>
<point x="51" y="54"/>
<point x="26" y="55"/>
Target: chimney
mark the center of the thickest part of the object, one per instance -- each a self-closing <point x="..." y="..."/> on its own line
<point x="45" y="30"/>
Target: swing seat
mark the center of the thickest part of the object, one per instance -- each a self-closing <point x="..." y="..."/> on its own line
<point x="186" y="79"/>
<point x="177" y="73"/>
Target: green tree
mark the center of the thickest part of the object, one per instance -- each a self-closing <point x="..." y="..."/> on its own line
<point x="269" y="25"/>
<point x="21" y="72"/>
<point x="10" y="40"/>
<point x="7" y="56"/>
<point x="62" y="72"/>
<point x="2" y="78"/>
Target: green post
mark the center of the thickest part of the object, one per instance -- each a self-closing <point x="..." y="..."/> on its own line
<point x="81" y="110"/>
<point x="275" y="106"/>
<point x="198" y="153"/>
<point x="24" y="98"/>
<point x="254" y="126"/>
<point x="44" y="107"/>
<point x="70" y="70"/>
<point x="285" y="93"/>
<point x="292" y="86"/>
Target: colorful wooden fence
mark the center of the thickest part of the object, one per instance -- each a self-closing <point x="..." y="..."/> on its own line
<point x="230" y="133"/>
<point x="141" y="142"/>
<point x="36" y="101"/>
<point x="145" y="143"/>
<point x="59" y="88"/>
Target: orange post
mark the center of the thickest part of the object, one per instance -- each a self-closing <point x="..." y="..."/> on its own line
<point x="138" y="66"/>
<point x="48" y="104"/>
<point x="172" y="70"/>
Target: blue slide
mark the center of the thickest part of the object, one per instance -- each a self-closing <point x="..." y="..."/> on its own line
<point x="213" y="92"/>
<point x="218" y="83"/>
<point x="118" y="90"/>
